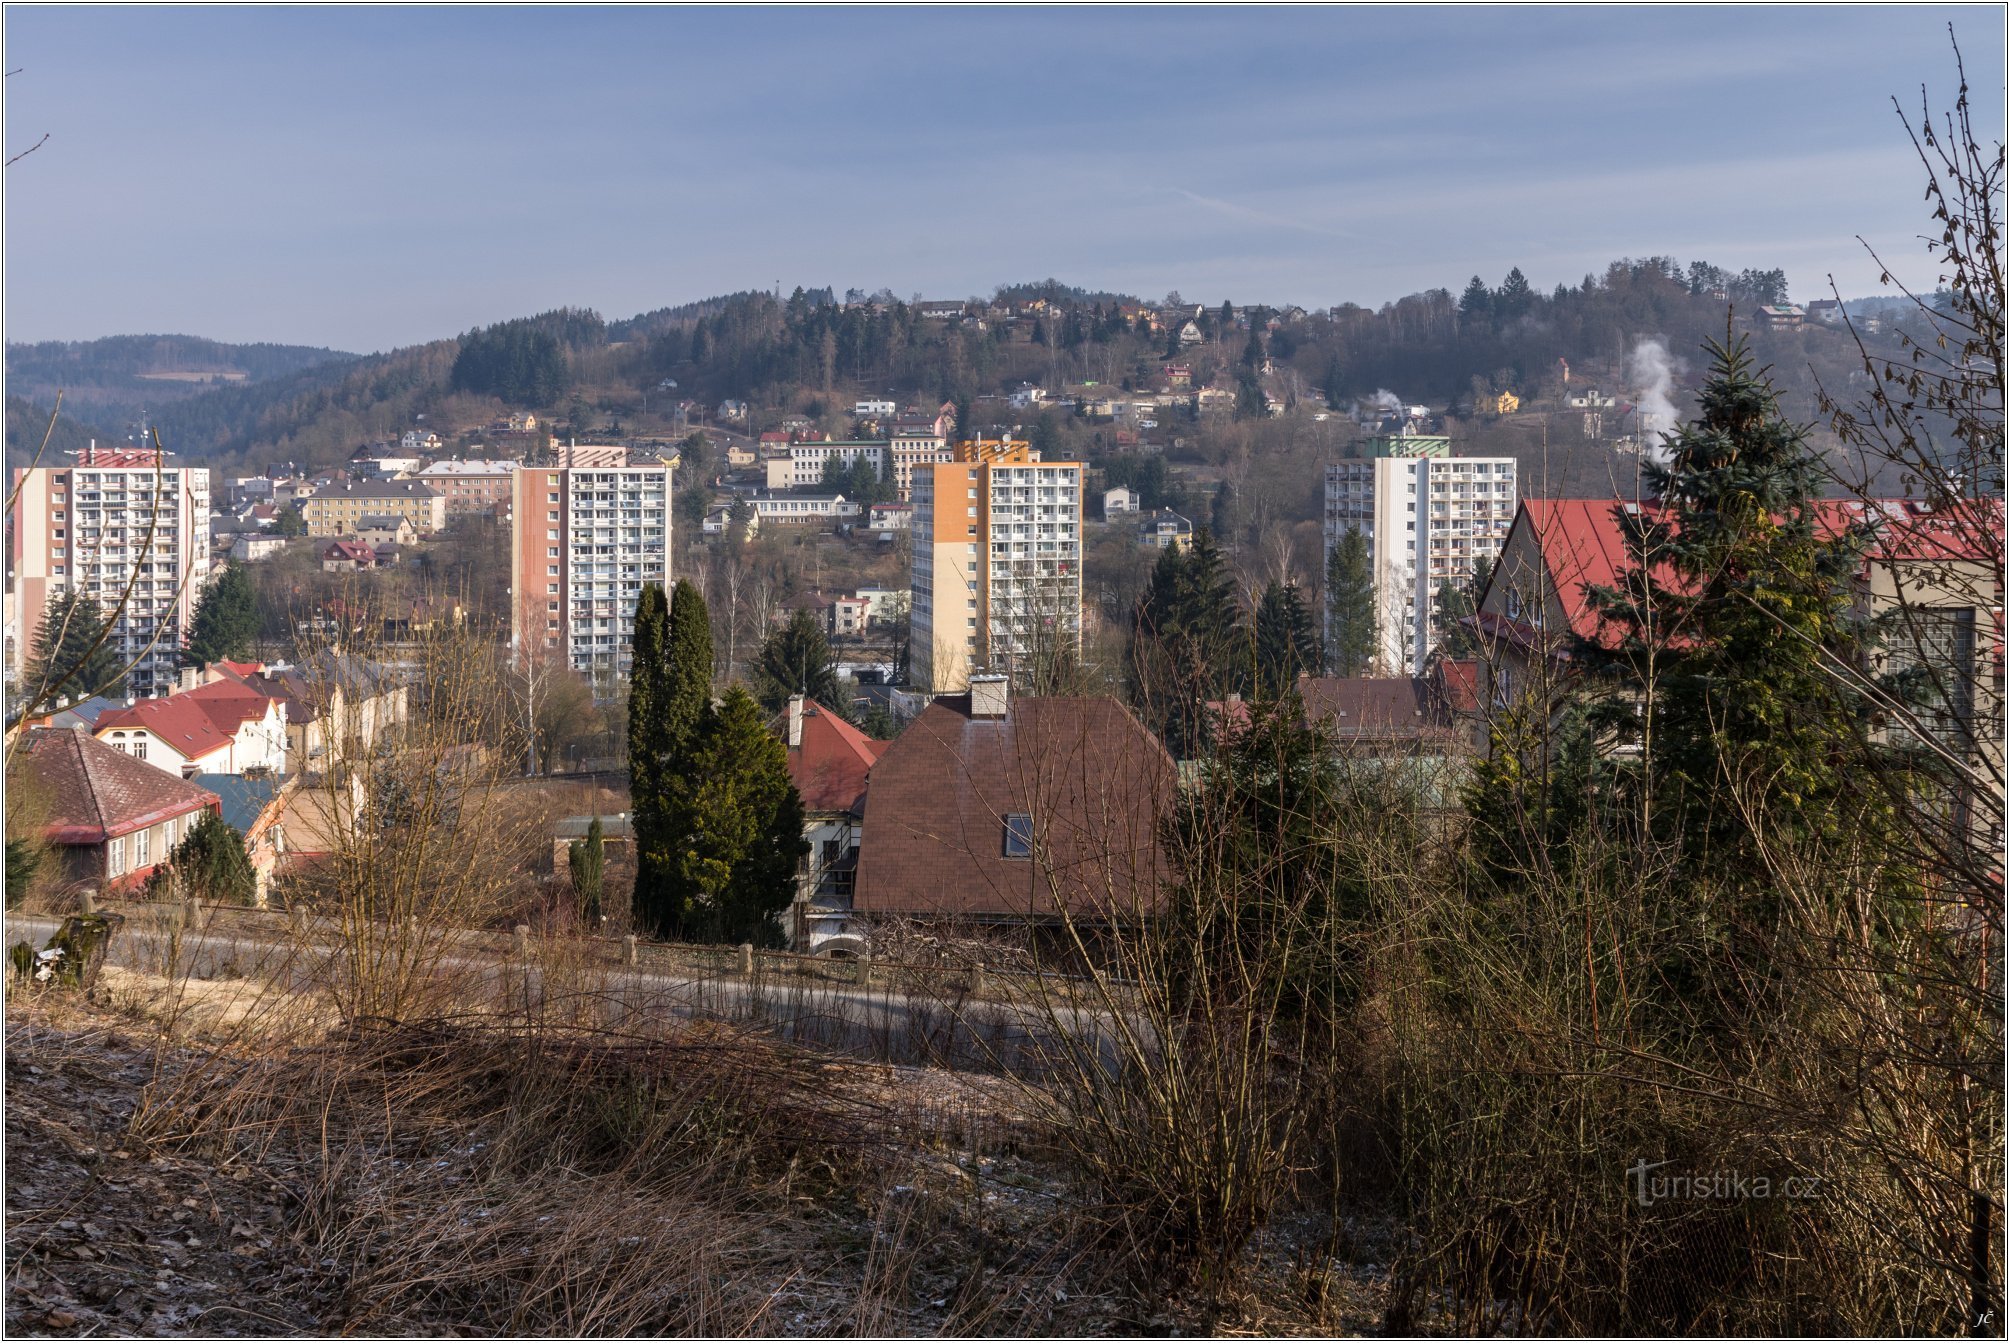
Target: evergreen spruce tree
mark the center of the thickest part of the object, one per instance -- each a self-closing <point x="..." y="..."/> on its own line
<point x="1476" y="305"/>
<point x="73" y="655"/>
<point x="1184" y="642"/>
<point x="1285" y="642"/>
<point x="796" y="660"/>
<point x="1352" y="639"/>
<point x="1747" y="729"/>
<point x="225" y="625"/>
<point x="209" y="864"/>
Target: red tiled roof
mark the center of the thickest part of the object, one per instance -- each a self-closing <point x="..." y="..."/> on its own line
<point x="94" y="792"/>
<point x="1584" y="546"/>
<point x="240" y="668"/>
<point x="1093" y="780"/>
<point x="179" y="720"/>
<point x="1459" y="681"/>
<point x="230" y="703"/>
<point x="829" y="767"/>
<point x="349" y="550"/>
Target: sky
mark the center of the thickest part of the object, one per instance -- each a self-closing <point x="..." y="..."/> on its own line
<point x="366" y="178"/>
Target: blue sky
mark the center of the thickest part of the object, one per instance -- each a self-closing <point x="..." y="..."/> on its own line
<point x="372" y="177"/>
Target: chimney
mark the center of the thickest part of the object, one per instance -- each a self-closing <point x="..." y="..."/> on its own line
<point x="795" y="721"/>
<point x="989" y="695"/>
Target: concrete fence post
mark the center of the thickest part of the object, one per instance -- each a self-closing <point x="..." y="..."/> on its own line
<point x="522" y="940"/>
<point x="296" y="918"/>
<point x="90" y="902"/>
<point x="864" y="970"/>
<point x="977" y="977"/>
<point x="192" y="914"/>
<point x="746" y="958"/>
<point x="628" y="950"/>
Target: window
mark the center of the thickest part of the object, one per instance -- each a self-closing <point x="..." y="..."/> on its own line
<point x="1018" y="835"/>
<point x="115" y="857"/>
<point x="142" y="845"/>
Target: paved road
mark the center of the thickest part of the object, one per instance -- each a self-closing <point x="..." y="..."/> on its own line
<point x="874" y="1022"/>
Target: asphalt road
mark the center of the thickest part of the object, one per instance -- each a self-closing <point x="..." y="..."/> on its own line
<point x="879" y="1023"/>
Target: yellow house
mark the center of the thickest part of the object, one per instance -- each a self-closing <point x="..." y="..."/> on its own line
<point x="339" y="510"/>
<point x="1507" y="403"/>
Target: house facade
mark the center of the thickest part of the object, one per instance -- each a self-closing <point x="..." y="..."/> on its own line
<point x="110" y="818"/>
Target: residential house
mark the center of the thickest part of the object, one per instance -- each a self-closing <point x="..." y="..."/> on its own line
<point x="335" y="705"/>
<point x="883" y="606"/>
<point x="739" y="456"/>
<point x="1943" y="567"/>
<point x="1179" y="376"/>
<point x="1117" y="501"/>
<point x="890" y="517"/>
<point x="110" y="818"/>
<point x="251" y="546"/>
<point x="1190" y="335"/>
<point x="719" y="518"/>
<point x="1782" y="317"/>
<point x="347" y="557"/>
<point x="1827" y="311"/>
<point x="995" y="810"/>
<point x="1026" y="396"/>
<point x="1163" y="528"/>
<point x="378" y="530"/>
<point x="829" y="762"/>
<point x="225" y="726"/>
<point x="847" y="617"/>
<point x="871" y="408"/>
<point x="730" y="409"/>
<point x="422" y="441"/>
<point x="939" y="310"/>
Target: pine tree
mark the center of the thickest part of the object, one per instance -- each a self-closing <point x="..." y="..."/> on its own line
<point x="1286" y="644"/>
<point x="1352" y="639"/>
<point x="225" y="626"/>
<point x="796" y="660"/>
<point x="74" y="656"/>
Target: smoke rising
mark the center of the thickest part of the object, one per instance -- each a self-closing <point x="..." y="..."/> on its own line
<point x="1651" y="370"/>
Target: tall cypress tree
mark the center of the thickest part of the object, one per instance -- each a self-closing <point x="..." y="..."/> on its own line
<point x="648" y="762"/>
<point x="1352" y="638"/>
<point x="746" y="834"/>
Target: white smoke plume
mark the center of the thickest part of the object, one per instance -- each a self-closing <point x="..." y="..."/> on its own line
<point x="1385" y="400"/>
<point x="1652" y="371"/>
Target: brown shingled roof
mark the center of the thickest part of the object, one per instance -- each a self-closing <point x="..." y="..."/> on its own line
<point x="94" y="792"/>
<point x="1092" y="779"/>
<point x="829" y="767"/>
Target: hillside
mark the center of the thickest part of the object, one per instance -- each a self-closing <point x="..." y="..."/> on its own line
<point x="812" y="355"/>
<point x="120" y="378"/>
<point x="27" y="423"/>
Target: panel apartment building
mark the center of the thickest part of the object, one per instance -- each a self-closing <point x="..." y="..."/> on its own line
<point x="1427" y="516"/>
<point x="997" y="562"/>
<point x="583" y="541"/>
<point x="85" y="528"/>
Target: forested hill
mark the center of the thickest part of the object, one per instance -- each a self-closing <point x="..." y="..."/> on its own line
<point x="814" y="353"/>
<point x="117" y="379"/>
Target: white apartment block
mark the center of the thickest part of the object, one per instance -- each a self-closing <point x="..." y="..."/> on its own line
<point x="909" y="450"/>
<point x="997" y="563"/>
<point x="118" y="516"/>
<point x="1425" y="519"/>
<point x="803" y="468"/>
<point x="584" y="542"/>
